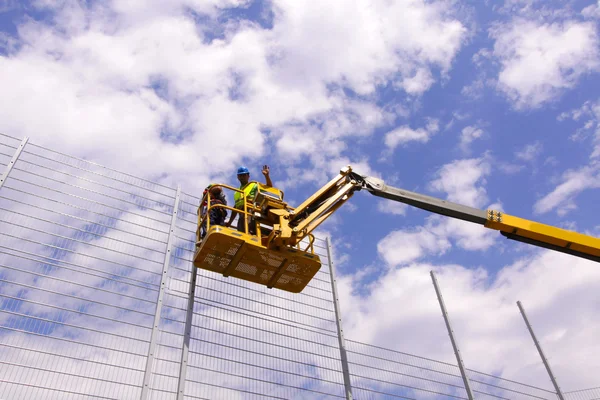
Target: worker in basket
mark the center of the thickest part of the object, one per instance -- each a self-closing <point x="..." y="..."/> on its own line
<point x="249" y="189"/>
<point x="216" y="215"/>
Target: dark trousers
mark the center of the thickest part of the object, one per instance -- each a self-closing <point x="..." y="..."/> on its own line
<point x="251" y="224"/>
<point x="216" y="217"/>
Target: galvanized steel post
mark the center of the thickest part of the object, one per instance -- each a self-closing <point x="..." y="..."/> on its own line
<point x="163" y="280"/>
<point x="187" y="334"/>
<point x="539" y="348"/>
<point x="459" y="359"/>
<point x="13" y="160"/>
<point x="338" y="321"/>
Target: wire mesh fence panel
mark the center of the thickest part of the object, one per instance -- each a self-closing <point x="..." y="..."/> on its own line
<point x="585" y="394"/>
<point x="246" y="341"/>
<point x="493" y="387"/>
<point x="81" y="250"/>
<point x="379" y="373"/>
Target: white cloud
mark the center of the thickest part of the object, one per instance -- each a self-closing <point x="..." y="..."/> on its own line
<point x="475" y="89"/>
<point x="591" y="11"/>
<point x="403" y="38"/>
<point x="589" y="115"/>
<point x="322" y="136"/>
<point x="468" y="135"/>
<point x="402" y="247"/>
<point x="406" y="134"/>
<point x="467" y="235"/>
<point x="509" y="168"/>
<point x="325" y="167"/>
<point x="145" y="87"/>
<point x="8" y="5"/>
<point x="460" y="179"/>
<point x="563" y="196"/>
<point x="390" y="207"/>
<point x="539" y="10"/>
<point x="298" y="141"/>
<point x="419" y="83"/>
<point x="405" y="246"/>
<point x="530" y="152"/>
<point x="433" y="125"/>
<point x="540" y="61"/>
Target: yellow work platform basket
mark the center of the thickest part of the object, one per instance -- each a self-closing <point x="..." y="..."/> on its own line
<point x="246" y="256"/>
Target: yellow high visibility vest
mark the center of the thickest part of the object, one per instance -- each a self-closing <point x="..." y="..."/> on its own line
<point x="249" y="193"/>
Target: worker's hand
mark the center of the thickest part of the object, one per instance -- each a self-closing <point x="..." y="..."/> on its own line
<point x="265" y="170"/>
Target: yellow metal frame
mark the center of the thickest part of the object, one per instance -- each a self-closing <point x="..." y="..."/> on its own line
<point x="291" y="226"/>
<point x="542" y="233"/>
<point x="253" y="257"/>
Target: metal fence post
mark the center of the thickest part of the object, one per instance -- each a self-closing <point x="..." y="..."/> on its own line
<point x="459" y="359"/>
<point x="13" y="160"/>
<point x="154" y="336"/>
<point x="187" y="335"/>
<point x="539" y="348"/>
<point x="338" y="321"/>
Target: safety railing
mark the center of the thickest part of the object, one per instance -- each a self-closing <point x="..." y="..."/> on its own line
<point x="206" y="205"/>
<point x="247" y="213"/>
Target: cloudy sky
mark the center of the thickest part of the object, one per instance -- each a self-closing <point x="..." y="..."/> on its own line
<point x="486" y="103"/>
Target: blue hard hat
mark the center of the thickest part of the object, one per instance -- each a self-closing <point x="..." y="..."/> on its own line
<point x="242" y="170"/>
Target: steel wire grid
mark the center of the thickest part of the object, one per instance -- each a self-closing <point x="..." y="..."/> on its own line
<point x="82" y="255"/>
<point x="585" y="394"/>
<point x="379" y="373"/>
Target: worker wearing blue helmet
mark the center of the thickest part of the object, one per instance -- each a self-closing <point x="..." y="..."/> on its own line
<point x="249" y="189"/>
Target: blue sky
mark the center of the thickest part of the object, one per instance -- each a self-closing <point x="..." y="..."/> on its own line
<point x="487" y="103"/>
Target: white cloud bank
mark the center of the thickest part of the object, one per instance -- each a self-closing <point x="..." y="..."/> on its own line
<point x="405" y="134"/>
<point x="146" y="87"/>
<point x="589" y="115"/>
<point x="540" y="60"/>
<point x="573" y="183"/>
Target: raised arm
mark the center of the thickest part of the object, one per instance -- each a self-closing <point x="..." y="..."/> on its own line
<point x="267" y="175"/>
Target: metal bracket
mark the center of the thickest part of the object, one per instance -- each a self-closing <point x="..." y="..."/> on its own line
<point x="13" y="160"/>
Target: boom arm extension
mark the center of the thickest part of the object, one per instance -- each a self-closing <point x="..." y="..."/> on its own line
<point x="514" y="228"/>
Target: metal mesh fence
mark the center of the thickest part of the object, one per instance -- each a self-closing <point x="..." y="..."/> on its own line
<point x="379" y="373"/>
<point x="585" y="394"/>
<point x="95" y="271"/>
<point x="81" y="253"/>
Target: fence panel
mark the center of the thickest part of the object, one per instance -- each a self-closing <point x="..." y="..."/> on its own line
<point x="80" y="260"/>
<point x="82" y="252"/>
<point x="585" y="394"/>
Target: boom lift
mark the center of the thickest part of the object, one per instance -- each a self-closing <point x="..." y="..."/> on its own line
<point x="281" y="254"/>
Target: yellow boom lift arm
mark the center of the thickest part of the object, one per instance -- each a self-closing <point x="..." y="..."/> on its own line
<point x="275" y="257"/>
